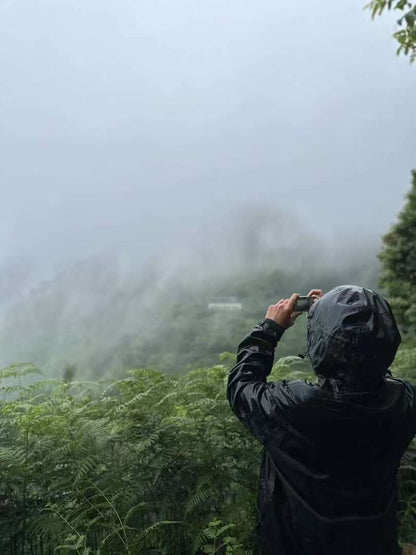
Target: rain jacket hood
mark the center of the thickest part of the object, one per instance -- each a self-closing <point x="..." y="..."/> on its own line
<point x="352" y="338"/>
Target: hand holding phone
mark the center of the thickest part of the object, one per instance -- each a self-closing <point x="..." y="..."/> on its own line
<point x="285" y="311"/>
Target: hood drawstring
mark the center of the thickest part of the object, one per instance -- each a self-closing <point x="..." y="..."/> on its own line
<point x="335" y="385"/>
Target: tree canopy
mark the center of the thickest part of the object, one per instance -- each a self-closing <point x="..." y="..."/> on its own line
<point x="398" y="257"/>
<point x="406" y="34"/>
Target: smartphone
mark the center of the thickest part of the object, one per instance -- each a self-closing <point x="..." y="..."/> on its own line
<point x="303" y="304"/>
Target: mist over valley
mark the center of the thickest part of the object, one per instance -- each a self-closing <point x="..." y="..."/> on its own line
<point x="116" y="310"/>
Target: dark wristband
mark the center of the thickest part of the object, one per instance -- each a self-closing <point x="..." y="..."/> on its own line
<point x="274" y="326"/>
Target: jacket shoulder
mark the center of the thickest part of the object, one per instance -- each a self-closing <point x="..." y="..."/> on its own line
<point x="301" y="390"/>
<point x="403" y="386"/>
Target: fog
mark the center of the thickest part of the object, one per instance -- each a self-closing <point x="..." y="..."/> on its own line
<point x="152" y="147"/>
<point x="107" y="312"/>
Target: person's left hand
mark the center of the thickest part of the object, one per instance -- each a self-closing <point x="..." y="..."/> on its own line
<point x="283" y="311"/>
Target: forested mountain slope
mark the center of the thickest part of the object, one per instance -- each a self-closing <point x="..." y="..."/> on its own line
<point x="103" y="315"/>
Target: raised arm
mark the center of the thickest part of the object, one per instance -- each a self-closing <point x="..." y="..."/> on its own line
<point x="249" y="394"/>
<point x="257" y="403"/>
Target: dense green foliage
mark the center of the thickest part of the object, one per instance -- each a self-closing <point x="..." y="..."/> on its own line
<point x="142" y="463"/>
<point x="151" y="463"/>
<point x="406" y="35"/>
<point x="398" y="257"/>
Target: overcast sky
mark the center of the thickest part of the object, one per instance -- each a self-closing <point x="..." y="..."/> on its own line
<point x="128" y="122"/>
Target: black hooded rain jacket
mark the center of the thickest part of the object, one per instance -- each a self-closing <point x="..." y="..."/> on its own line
<point x="328" y="478"/>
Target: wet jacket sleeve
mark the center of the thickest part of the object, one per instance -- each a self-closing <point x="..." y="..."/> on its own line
<point x="256" y="402"/>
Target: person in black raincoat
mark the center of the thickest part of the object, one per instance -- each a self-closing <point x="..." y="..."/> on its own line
<point x="328" y="478"/>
